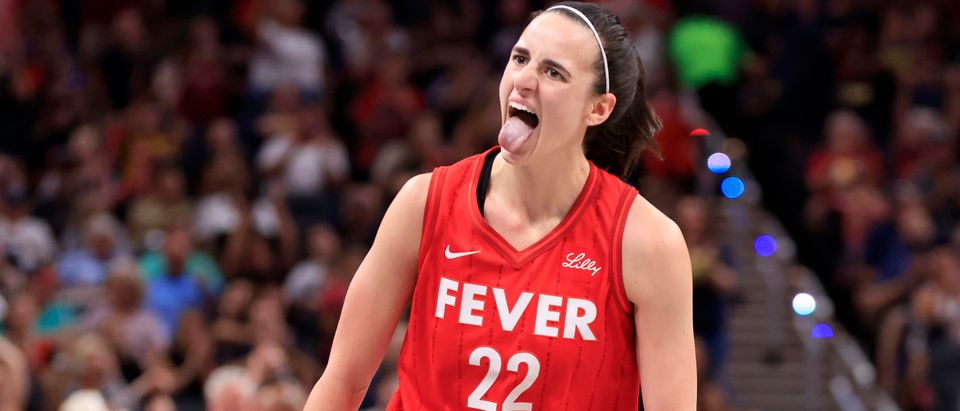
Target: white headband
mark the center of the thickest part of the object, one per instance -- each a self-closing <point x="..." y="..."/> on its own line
<point x="603" y="54"/>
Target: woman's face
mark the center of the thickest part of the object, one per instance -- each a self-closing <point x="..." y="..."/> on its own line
<point x="551" y="73"/>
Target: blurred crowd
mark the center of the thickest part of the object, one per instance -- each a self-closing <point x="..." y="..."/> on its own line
<point x="850" y="114"/>
<point x="187" y="187"/>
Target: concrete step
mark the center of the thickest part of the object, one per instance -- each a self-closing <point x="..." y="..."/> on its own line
<point x="745" y="323"/>
<point x="760" y="337"/>
<point x="760" y="355"/>
<point x="758" y="309"/>
<point x="779" y="402"/>
<point x="783" y="383"/>
<point x="754" y="369"/>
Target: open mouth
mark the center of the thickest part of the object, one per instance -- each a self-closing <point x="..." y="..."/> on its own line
<point x="524" y="114"/>
<point x="518" y="127"/>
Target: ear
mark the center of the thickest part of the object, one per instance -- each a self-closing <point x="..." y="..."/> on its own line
<point x="601" y="109"/>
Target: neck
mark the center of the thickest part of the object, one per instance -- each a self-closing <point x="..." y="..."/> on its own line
<point x="541" y="191"/>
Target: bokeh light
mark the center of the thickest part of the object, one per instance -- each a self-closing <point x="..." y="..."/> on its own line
<point x="718" y="163"/>
<point x="732" y="187"/>
<point x="821" y="331"/>
<point x="765" y="245"/>
<point x="699" y="132"/>
<point x="804" y="304"/>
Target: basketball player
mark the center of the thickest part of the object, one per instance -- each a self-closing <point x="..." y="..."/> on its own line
<point x="537" y="279"/>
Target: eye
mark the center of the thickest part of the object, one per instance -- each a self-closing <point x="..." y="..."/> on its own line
<point x="554" y="74"/>
<point x="519" y="59"/>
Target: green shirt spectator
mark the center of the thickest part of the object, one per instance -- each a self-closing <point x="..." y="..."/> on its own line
<point x="706" y="49"/>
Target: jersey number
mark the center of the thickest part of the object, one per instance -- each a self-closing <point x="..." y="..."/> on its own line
<point x="533" y="370"/>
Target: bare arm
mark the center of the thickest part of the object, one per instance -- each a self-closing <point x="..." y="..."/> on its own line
<point x="377" y="296"/>
<point x="14" y="366"/>
<point x="658" y="280"/>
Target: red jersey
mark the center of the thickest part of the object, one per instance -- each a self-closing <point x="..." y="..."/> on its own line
<point x="493" y="328"/>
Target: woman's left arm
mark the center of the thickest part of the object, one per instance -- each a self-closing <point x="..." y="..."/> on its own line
<point x="658" y="281"/>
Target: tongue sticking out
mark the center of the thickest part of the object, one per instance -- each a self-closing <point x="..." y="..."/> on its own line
<point x="514" y="133"/>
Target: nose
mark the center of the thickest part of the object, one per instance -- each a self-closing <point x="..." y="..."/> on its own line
<point x="525" y="79"/>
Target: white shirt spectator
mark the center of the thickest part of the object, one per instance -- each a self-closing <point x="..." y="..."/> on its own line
<point x="287" y="55"/>
<point x="28" y="240"/>
<point x="217" y="215"/>
<point x="304" y="280"/>
<point x="309" y="166"/>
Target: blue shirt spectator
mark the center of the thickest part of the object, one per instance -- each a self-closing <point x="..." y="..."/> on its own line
<point x="172" y="288"/>
<point x="169" y="296"/>
<point x="88" y="265"/>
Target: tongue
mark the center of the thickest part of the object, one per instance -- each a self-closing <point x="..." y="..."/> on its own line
<point x="514" y="133"/>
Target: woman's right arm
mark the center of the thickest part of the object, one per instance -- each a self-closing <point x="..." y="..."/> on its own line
<point x="378" y="294"/>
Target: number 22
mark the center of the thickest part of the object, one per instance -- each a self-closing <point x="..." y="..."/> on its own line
<point x="533" y="370"/>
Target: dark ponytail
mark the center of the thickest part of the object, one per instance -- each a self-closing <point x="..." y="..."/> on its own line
<point x="616" y="144"/>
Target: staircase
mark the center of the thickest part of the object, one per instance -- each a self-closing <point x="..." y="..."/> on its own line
<point x="773" y="363"/>
<point x="766" y="366"/>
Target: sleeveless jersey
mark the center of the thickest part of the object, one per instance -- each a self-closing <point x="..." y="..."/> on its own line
<point x="497" y="329"/>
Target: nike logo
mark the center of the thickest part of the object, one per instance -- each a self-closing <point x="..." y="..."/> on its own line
<point x="452" y="255"/>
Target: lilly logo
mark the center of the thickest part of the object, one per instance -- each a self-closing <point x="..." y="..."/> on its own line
<point x="581" y="262"/>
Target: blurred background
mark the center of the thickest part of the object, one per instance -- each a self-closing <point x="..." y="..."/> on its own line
<point x="187" y="187"/>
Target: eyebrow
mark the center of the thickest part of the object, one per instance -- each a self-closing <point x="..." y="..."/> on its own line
<point x="549" y="62"/>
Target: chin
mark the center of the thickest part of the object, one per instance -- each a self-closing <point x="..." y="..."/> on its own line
<point x="511" y="157"/>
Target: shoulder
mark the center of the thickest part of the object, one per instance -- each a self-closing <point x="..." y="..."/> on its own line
<point x="401" y="228"/>
<point x="648" y="229"/>
<point x="414" y="192"/>
<point x="655" y="256"/>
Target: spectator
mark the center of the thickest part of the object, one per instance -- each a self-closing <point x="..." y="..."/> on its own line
<point x="895" y="261"/>
<point x="150" y="213"/>
<point x="21" y="321"/>
<point x="369" y="32"/>
<point x="229" y="388"/>
<point x="123" y="65"/>
<point x="281" y="397"/>
<point x="708" y="56"/>
<point x="714" y="281"/>
<point x="178" y="253"/>
<point x="205" y="94"/>
<point x="308" y="277"/>
<point x="263" y="245"/>
<point x="225" y="183"/>
<point x="848" y="157"/>
<point x="288" y="54"/>
<point x="922" y="132"/>
<point x="308" y="159"/>
<point x="189" y="362"/>
<point x="385" y="108"/>
<point x="138" y="335"/>
<point x="96" y="376"/>
<point x="231" y="331"/>
<point x="88" y="265"/>
<point x="179" y="279"/>
<point x="27" y="242"/>
<point x="937" y="306"/>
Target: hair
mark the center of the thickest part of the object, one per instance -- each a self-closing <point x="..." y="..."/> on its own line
<point x="616" y="144"/>
<point x="228" y="377"/>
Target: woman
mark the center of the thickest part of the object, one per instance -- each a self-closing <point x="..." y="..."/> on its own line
<point x="537" y="279"/>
